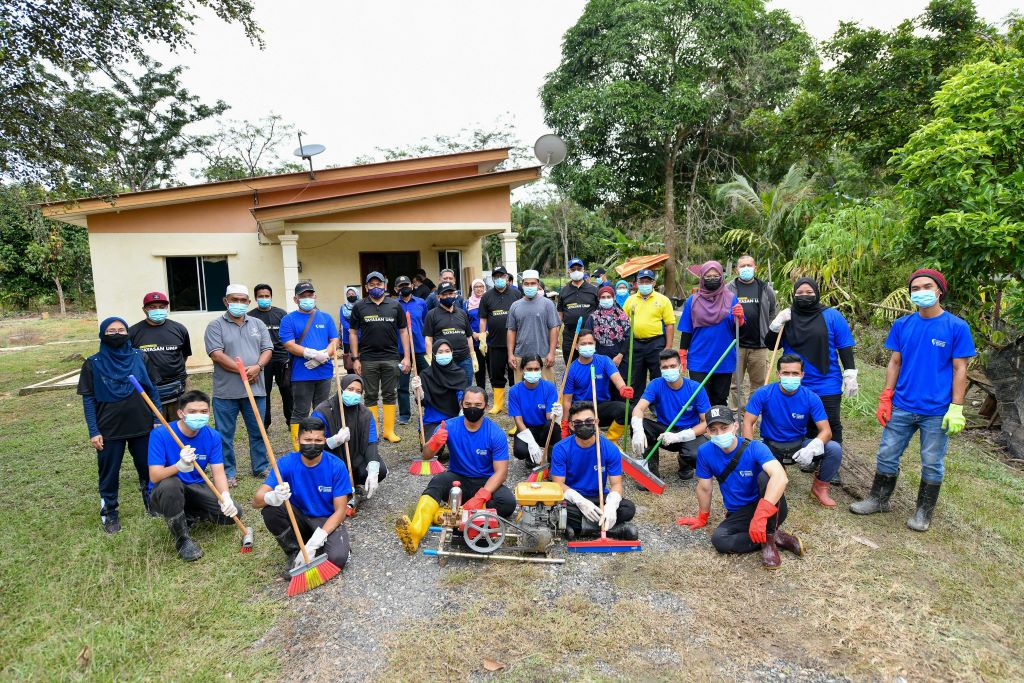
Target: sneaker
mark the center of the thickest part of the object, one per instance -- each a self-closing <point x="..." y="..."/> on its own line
<point x="686" y="474"/>
<point x="404" y="420"/>
<point x="262" y="475"/>
<point x="232" y="482"/>
<point x="111" y="524"/>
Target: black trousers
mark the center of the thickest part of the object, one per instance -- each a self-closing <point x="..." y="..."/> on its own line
<point x="404" y="396"/>
<point x="172" y="496"/>
<point x="646" y="366"/>
<point x="109" y="461"/>
<point x="832" y="404"/>
<point x="481" y="373"/>
<point x="308" y="394"/>
<point x="540" y="432"/>
<point x="336" y="546"/>
<point x="502" y="500"/>
<point x="497" y="365"/>
<point x="359" y="475"/>
<point x="717" y="387"/>
<point x="686" y="450"/>
<point x="611" y="411"/>
<point x="278" y="371"/>
<point x="574" y="518"/>
<point x="733" y="534"/>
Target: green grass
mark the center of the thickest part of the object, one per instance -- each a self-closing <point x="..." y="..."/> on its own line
<point x="53" y="329"/>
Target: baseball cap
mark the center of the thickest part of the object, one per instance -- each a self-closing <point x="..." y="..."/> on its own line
<point x="577" y="262"/>
<point x="155" y="297"/>
<point x="600" y="271"/>
<point x="499" y="270"/>
<point x="720" y="414"/>
<point x="236" y="289"/>
<point x="402" y="280"/>
<point x="646" y="272"/>
<point x="445" y="288"/>
<point x="529" y="275"/>
<point x="304" y="286"/>
<point x="375" y="274"/>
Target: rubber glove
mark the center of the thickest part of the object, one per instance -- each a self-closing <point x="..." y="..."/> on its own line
<point x="440" y="438"/>
<point x="682" y="360"/>
<point x="737" y="312"/>
<point x="476" y="363"/>
<point x="669" y="438"/>
<point x="639" y="438"/>
<point x="312" y="363"/>
<point x="372" y="478"/>
<point x="309" y="353"/>
<point x="536" y="452"/>
<point x="701" y="520"/>
<point x="805" y="456"/>
<point x="626" y="392"/>
<point x="478" y="501"/>
<point x="322" y="356"/>
<point x="186" y="459"/>
<point x="416" y="384"/>
<point x="589" y="510"/>
<point x="227" y="506"/>
<point x="278" y="495"/>
<point x="565" y="429"/>
<point x="611" y="511"/>
<point x="784" y="316"/>
<point x="850" y="386"/>
<point x="954" y="421"/>
<point x="482" y="345"/>
<point x="556" y="412"/>
<point x="339" y="439"/>
<point x="884" y="412"/>
<point x="759" y="523"/>
<point x="315" y="542"/>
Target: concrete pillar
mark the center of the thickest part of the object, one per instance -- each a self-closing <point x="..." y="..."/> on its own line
<point x="290" y="261"/>
<point x="509" y="252"/>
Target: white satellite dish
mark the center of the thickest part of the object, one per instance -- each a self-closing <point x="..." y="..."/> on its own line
<point x="550" y="149"/>
<point x="307" y="152"/>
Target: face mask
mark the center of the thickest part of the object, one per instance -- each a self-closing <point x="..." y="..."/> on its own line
<point x="196" y="421"/>
<point x="311" y="451"/>
<point x="712" y="284"/>
<point x="443" y="358"/>
<point x="723" y="441"/>
<point x="805" y="302"/>
<point x="115" y="340"/>
<point x="576" y="275"/>
<point x="237" y="310"/>
<point x="351" y="298"/>
<point x="530" y="291"/>
<point x="670" y="375"/>
<point x="924" y="298"/>
<point x="500" y="282"/>
<point x="448" y="301"/>
<point x="606" y="303"/>
<point x="157" y="315"/>
<point x="789" y="384"/>
<point x="351" y="398"/>
<point x="532" y="376"/>
<point x="621" y="295"/>
<point x="376" y="292"/>
<point x="586" y="431"/>
<point x="747" y="273"/>
<point x="588" y="350"/>
<point x="645" y="289"/>
<point x="405" y="291"/>
<point x="473" y="414"/>
<point x="264" y="303"/>
<point x="307" y="304"/>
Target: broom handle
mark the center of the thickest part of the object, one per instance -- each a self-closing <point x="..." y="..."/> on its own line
<point x="565" y="376"/>
<point x="270" y="454"/>
<point x="160" y="416"/>
<point x="412" y="355"/>
<point x="597" y="442"/>
<point x="629" y="369"/>
<point x="341" y="409"/>
<point x="691" y="399"/>
<point x="771" y="362"/>
<point x="738" y="372"/>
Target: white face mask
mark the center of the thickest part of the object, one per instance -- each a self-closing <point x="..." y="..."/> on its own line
<point x="576" y="275"/>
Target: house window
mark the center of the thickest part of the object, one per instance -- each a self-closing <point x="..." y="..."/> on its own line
<point x="451" y="258"/>
<point x="197" y="283"/>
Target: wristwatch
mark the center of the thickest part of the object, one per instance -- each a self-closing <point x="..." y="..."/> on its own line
<point x="355" y="357"/>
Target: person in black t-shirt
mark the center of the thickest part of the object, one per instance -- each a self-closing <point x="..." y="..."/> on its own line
<point x="422" y="285"/>
<point x="165" y="346"/>
<point x="494" y="307"/>
<point x="277" y="370"/>
<point x="759" y="308"/>
<point x="578" y="299"/>
<point x="450" y="322"/>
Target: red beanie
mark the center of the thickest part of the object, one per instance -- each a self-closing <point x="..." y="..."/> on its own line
<point x="933" y="274"/>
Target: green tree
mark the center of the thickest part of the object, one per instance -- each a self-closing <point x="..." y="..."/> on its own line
<point x="501" y="133"/>
<point x="243" y="149"/>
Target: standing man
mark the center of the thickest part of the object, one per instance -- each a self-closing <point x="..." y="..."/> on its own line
<point x="377" y="322"/>
<point x="532" y="327"/>
<point x="416" y="308"/>
<point x="447" y="277"/>
<point x="165" y="346"/>
<point x="601" y="279"/>
<point x="422" y="285"/>
<point x="925" y="384"/>
<point x="236" y="334"/>
<point x="277" y="369"/>
<point x="494" y="307"/>
<point x="449" y="321"/>
<point x="577" y="299"/>
<point x="759" y="308"/>
<point x="654" y="327"/>
<point x="311" y="337"/>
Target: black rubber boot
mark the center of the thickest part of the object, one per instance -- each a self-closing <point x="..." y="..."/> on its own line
<point x="186" y="547"/>
<point x="588" y="529"/>
<point x="654" y="464"/>
<point x="286" y="539"/>
<point x="686" y="468"/>
<point x="878" y="500"/>
<point x="927" y="496"/>
<point x="146" y="501"/>
<point x="624" y="531"/>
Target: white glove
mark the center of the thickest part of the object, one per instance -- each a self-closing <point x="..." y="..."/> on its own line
<point x="309" y="353"/>
<point x="526" y="436"/>
<point x="670" y="438"/>
<point x="278" y="495"/>
<point x="784" y="316"/>
<point x="186" y="459"/>
<point x="339" y="439"/>
<point x="556" y="412"/>
<point x="805" y="456"/>
<point x="482" y="345"/>
<point x="227" y="506"/>
<point x="611" y="511"/>
<point x="589" y="510"/>
<point x="315" y="542"/>
<point x="322" y="356"/>
<point x="372" y="478"/>
<point x="850" y="386"/>
<point x="312" y="363"/>
<point x="639" y="438"/>
<point x="476" y="363"/>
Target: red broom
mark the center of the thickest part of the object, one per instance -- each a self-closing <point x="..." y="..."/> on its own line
<point x="311" y="573"/>
<point x="540" y="472"/>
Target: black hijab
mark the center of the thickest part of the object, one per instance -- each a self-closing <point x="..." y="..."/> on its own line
<point x="441" y="383"/>
<point x="806" y="333"/>
<point x="357" y="419"/>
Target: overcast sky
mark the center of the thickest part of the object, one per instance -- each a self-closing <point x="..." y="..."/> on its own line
<point x="356" y="75"/>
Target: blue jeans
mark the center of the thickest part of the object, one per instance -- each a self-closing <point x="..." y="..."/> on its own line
<point x="467" y="367"/>
<point x="896" y="437"/>
<point x="225" y="415"/>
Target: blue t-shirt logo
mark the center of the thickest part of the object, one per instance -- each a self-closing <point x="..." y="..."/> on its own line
<point x="938" y="342"/>
<point x="798" y="416"/>
<point x="324" y="489"/>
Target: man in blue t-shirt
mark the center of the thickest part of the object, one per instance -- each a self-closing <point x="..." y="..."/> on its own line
<point x="753" y="484"/>
<point x="533" y="406"/>
<point x="611" y="414"/>
<point x="925" y="385"/>
<point x="416" y="310"/>
<point x="311" y="336"/>
<point x="478" y="460"/>
<point x="785" y="408"/>
<point x="574" y="467"/>
<point x="318" y="486"/>
<point x="178" y="492"/>
<point x="667" y="395"/>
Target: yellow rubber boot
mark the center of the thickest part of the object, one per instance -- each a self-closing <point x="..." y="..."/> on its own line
<point x="390" y="412"/>
<point x="499" y="401"/>
<point x="295" y="435"/>
<point x="411" y="532"/>
<point x="375" y="411"/>
<point x="615" y="432"/>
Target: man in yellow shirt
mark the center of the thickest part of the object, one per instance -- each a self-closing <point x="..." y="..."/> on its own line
<point x="654" y="326"/>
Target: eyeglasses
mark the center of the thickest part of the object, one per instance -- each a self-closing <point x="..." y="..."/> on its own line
<point x="576" y="424"/>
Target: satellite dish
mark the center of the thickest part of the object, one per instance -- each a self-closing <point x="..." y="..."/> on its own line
<point x="550" y="149"/>
<point x="307" y="152"/>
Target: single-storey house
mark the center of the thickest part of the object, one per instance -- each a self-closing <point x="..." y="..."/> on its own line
<point x="332" y="227"/>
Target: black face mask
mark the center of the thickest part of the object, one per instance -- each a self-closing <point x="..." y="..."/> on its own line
<point x="586" y="431"/>
<point x="448" y="301"/>
<point x="473" y="414"/>
<point x="405" y="291"/>
<point x="352" y="298"/>
<point x="805" y="302"/>
<point x="115" y="341"/>
<point x="311" y="451"/>
<point x="712" y="285"/>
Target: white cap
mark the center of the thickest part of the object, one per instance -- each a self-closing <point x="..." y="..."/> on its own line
<point x="529" y="274"/>
<point x="237" y="289"/>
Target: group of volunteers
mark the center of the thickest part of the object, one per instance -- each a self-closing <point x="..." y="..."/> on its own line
<point x="432" y="345"/>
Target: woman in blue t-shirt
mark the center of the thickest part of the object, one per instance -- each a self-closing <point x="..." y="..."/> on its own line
<point x="533" y="405"/>
<point x="477" y="290"/>
<point x="440" y="388"/>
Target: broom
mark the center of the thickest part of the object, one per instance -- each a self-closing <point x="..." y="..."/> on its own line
<point x="775" y="351"/>
<point x="738" y="372"/>
<point x="602" y="544"/>
<point x="540" y="472"/>
<point x="246" y="532"/>
<point x="312" y="572"/>
<point x="348" y="456"/>
<point x="421" y="468"/>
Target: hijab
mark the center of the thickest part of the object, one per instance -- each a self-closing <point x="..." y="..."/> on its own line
<point x="442" y="383"/>
<point x="806" y="332"/>
<point x="610" y="325"/>
<point x="473" y="302"/>
<point x="621" y="300"/>
<point x="346" y="307"/>
<point x="111" y="367"/>
<point x="710" y="307"/>
<point x="357" y="419"/>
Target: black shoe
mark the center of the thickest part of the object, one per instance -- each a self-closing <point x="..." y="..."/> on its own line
<point x="111" y="524"/>
<point x="927" y="497"/>
<point x="685" y="474"/>
<point x="286" y="573"/>
<point x="183" y="543"/>
<point x="878" y="499"/>
<point x="286" y="539"/>
<point x="624" y="531"/>
<point x="146" y="500"/>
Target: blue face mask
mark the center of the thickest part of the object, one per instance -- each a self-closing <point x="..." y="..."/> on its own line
<point x="723" y="441"/>
<point x="924" y="298"/>
<point x="747" y="273"/>
<point x="443" y="358"/>
<point x="789" y="384"/>
<point x="264" y="303"/>
<point x="377" y="292"/>
<point x="606" y="303"/>
<point x="530" y="291"/>
<point x="645" y="290"/>
<point x="237" y="310"/>
<point x="196" y="421"/>
<point x="621" y="295"/>
<point x="500" y="282"/>
<point x="351" y="398"/>
<point x="532" y="376"/>
<point x="157" y="315"/>
<point x="670" y="375"/>
<point x="588" y="350"/>
<point x="307" y="304"/>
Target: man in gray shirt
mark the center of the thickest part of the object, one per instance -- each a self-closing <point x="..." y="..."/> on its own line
<point x="232" y="335"/>
<point x="532" y="327"/>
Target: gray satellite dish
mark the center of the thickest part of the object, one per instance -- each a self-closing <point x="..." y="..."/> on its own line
<point x="307" y="152"/>
<point x="550" y="149"/>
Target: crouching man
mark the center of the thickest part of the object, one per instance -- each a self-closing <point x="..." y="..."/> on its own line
<point x="318" y="486"/>
<point x="178" y="491"/>
<point x="752" y="482"/>
<point x="574" y="466"/>
<point x="478" y="461"/>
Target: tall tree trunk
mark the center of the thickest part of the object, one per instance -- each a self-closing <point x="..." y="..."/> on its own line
<point x="60" y="296"/>
<point x="671" y="284"/>
<point x="690" y="200"/>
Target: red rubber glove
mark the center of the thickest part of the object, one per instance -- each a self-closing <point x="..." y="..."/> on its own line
<point x="478" y="501"/>
<point x="626" y="392"/>
<point x="565" y="429"/>
<point x="682" y="360"/>
<point x="701" y="520"/>
<point x="884" y="412"/>
<point x="439" y="439"/>
<point x="758" y="525"/>
<point x="737" y="312"/>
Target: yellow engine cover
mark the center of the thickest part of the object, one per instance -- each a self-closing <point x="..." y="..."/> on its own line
<point x="538" y="492"/>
